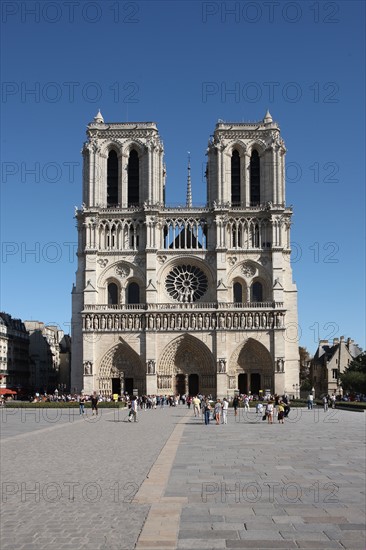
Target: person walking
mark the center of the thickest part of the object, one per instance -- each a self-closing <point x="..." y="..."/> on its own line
<point x="217" y="411"/>
<point x="310" y="401"/>
<point x="133" y="411"/>
<point x="196" y="406"/>
<point x="325" y="402"/>
<point x="207" y="411"/>
<point x="225" y="408"/>
<point x="269" y="412"/>
<point x="82" y="400"/>
<point x="236" y="405"/>
<point x="94" y="403"/>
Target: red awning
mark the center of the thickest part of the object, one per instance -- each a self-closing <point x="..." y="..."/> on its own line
<point x="4" y="391"/>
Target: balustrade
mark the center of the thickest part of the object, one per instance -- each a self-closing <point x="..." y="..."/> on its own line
<point x="181" y="321"/>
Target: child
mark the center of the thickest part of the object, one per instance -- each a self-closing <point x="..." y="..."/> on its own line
<point x="280" y="412"/>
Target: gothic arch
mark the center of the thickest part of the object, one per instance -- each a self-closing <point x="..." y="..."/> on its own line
<point x="110" y="272"/>
<point x="265" y="288"/>
<point x="183" y="360"/>
<point x="112" y="281"/>
<point x="252" y="358"/>
<point x="121" y="361"/>
<point x="107" y="145"/>
<point x="257" y="144"/>
<point x="238" y="145"/>
<point x="186" y="354"/>
<point x="136" y="144"/>
<point x="236" y="290"/>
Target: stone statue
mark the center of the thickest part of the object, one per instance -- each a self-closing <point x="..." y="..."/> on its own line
<point x="222" y="365"/>
<point x="151" y="366"/>
<point x="87" y="368"/>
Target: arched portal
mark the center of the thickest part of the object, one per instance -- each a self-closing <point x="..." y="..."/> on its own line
<point x="187" y="366"/>
<point x="121" y="370"/>
<point x="251" y="367"/>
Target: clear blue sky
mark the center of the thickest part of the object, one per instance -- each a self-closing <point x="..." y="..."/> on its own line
<point x="176" y="63"/>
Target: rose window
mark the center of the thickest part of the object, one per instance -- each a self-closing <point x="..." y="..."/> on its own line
<point x="186" y="283"/>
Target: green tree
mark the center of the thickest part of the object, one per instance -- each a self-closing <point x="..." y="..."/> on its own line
<point x="354" y="377"/>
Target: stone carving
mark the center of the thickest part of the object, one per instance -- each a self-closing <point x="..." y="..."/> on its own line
<point x="248" y="270"/>
<point x="151" y="366"/>
<point x="280" y="365"/>
<point x="88" y="368"/>
<point x="222" y="365"/>
<point x="254" y="320"/>
<point x="102" y="262"/>
<point x="186" y="283"/>
<point x="279" y="320"/>
<point x="123" y="271"/>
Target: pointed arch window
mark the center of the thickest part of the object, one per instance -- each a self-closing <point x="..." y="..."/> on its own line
<point x="235" y="178"/>
<point x="133" y="188"/>
<point x="255" y="191"/>
<point x="238" y="293"/>
<point x="133" y="293"/>
<point x="112" y="294"/>
<point x="257" y="292"/>
<point x="112" y="179"/>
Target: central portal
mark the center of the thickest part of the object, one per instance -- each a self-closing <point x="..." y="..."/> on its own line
<point x="193" y="384"/>
<point x="116" y="386"/>
<point x="180" y="384"/>
<point x="243" y="383"/>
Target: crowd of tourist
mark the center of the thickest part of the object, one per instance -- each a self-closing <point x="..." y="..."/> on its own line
<point x="269" y="407"/>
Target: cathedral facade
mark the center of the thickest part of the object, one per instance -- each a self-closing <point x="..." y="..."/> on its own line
<point x="185" y="299"/>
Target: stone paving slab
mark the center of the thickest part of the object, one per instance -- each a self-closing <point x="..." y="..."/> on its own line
<point x="71" y="483"/>
<point x="289" y="486"/>
<point x="170" y="482"/>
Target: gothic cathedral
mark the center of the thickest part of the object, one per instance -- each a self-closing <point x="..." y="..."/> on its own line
<point x="185" y="299"/>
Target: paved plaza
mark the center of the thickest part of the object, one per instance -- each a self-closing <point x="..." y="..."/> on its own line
<point x="170" y="482"/>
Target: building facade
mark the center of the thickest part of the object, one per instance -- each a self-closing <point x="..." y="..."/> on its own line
<point x="49" y="354"/>
<point x="329" y="362"/>
<point x="14" y="354"/>
<point x="184" y="300"/>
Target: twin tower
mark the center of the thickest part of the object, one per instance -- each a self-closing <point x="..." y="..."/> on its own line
<point x="184" y="300"/>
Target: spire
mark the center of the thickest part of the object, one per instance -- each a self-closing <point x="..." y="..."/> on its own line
<point x="268" y="118"/>
<point x="189" y="186"/>
<point x="99" y="118"/>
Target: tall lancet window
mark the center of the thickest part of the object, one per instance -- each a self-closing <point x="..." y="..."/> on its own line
<point x="112" y="294"/>
<point x="112" y="179"/>
<point x="238" y="293"/>
<point x="235" y="178"/>
<point x="255" y="189"/>
<point x="257" y="292"/>
<point x="133" y="179"/>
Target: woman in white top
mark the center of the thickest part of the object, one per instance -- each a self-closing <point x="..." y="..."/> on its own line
<point x="269" y="412"/>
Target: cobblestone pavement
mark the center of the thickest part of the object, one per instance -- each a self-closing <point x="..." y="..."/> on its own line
<point x="68" y="482"/>
<point x="170" y="482"/>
